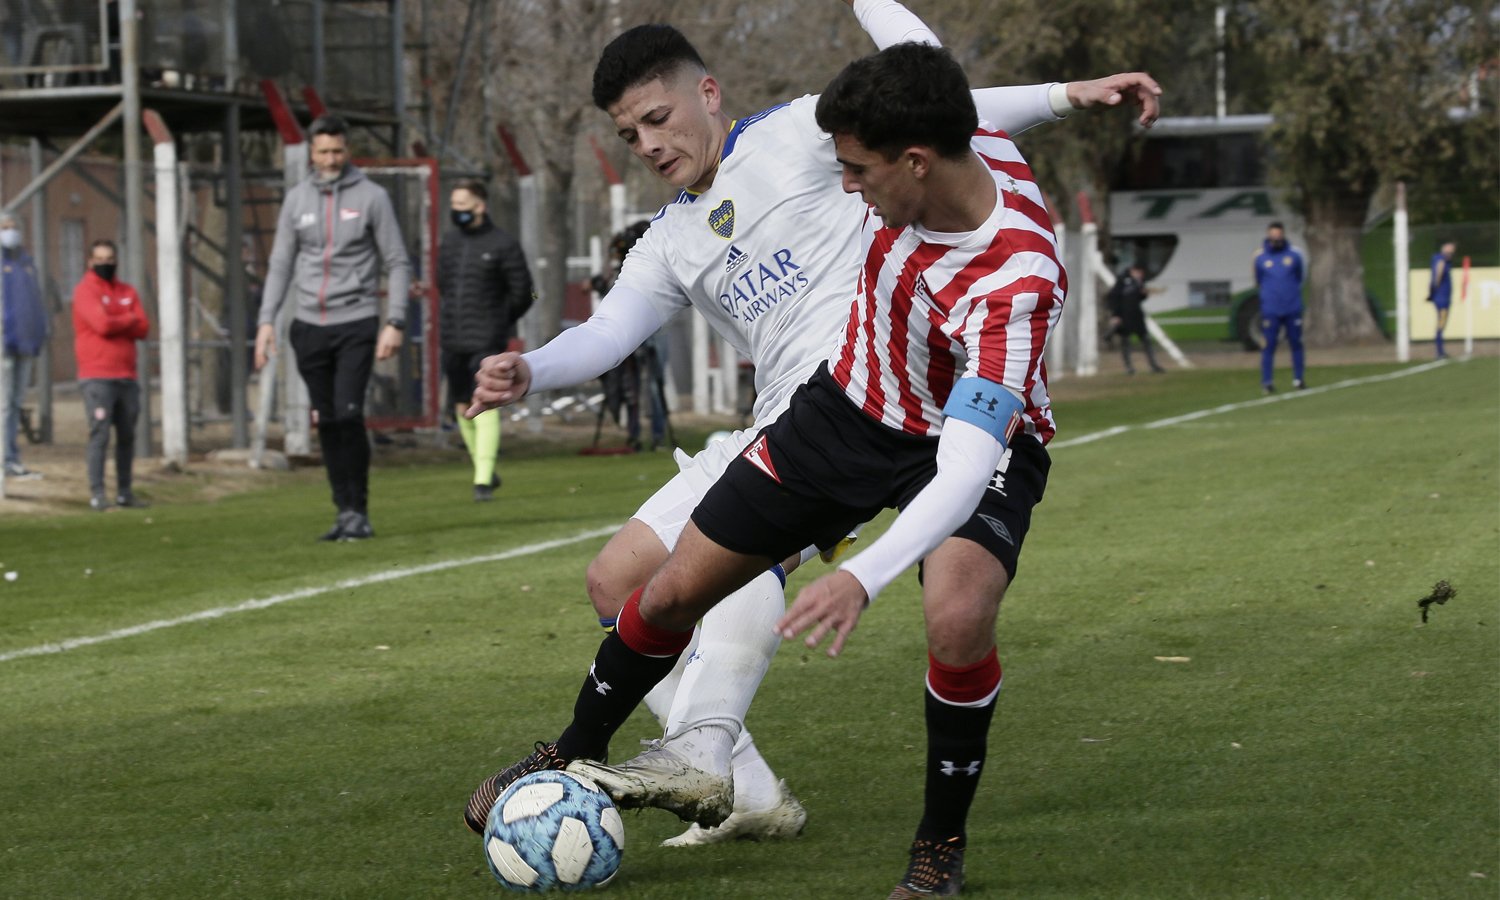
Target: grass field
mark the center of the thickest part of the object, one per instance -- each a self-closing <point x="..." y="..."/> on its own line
<point x="1321" y="742"/>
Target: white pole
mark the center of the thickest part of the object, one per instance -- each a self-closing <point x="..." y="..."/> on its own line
<point x="617" y="208"/>
<point x="1220" y="105"/>
<point x="4" y="369"/>
<point x="729" y="377"/>
<point x="169" y="298"/>
<point x="530" y="196"/>
<point x="1056" y="352"/>
<point x="1463" y="298"/>
<point x="1088" y="306"/>
<point x="700" y="365"/>
<point x="1402" y="241"/>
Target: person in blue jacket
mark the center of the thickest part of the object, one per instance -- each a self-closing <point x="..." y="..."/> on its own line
<point x="1278" y="274"/>
<point x="1440" y="293"/>
<point x="25" y="333"/>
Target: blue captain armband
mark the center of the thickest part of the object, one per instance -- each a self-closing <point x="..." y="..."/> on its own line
<point x="986" y="405"/>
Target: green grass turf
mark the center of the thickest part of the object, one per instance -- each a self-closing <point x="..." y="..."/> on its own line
<point x="1319" y="743"/>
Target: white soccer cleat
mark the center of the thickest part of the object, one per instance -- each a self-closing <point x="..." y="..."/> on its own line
<point x="778" y="822"/>
<point x="663" y="778"/>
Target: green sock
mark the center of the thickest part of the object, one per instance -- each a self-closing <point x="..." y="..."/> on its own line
<point x="486" y="445"/>
<point x="466" y="429"/>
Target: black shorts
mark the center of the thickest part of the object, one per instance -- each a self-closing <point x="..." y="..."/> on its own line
<point x="335" y="362"/>
<point x="459" y="368"/>
<point x="824" y="467"/>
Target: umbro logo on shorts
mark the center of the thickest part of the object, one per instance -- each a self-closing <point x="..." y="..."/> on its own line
<point x="758" y="455"/>
<point x="999" y="528"/>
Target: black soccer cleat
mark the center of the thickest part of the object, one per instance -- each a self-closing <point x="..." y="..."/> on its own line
<point x="936" y="870"/>
<point x="484" y="797"/>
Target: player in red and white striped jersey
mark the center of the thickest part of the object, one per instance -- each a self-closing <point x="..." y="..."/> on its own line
<point x="928" y="307"/>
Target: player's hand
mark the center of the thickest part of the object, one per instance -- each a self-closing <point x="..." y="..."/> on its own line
<point x="389" y="342"/>
<point x="501" y="380"/>
<point x="832" y="603"/>
<point x="1136" y="87"/>
<point x="265" y="345"/>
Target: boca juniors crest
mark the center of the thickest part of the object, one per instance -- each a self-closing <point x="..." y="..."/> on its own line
<point x="721" y="219"/>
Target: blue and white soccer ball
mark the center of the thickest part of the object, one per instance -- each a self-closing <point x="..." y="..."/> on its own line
<point x="553" y="830"/>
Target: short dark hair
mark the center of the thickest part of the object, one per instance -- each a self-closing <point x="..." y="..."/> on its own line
<point x="329" y="124"/>
<point x="103" y="242"/>
<point x="1275" y="225"/>
<point x="908" y="94"/>
<point x="642" y="54"/>
<point x="475" y="187"/>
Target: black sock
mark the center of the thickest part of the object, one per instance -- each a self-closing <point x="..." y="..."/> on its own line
<point x="616" y="684"/>
<point x="957" y="737"/>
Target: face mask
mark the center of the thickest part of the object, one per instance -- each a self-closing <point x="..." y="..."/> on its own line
<point x="104" y="270"/>
<point x="463" y="218"/>
<point x="1278" y="245"/>
<point x="10" y="238"/>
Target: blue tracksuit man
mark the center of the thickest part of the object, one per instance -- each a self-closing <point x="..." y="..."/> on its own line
<point x="1278" y="275"/>
<point x="1440" y="295"/>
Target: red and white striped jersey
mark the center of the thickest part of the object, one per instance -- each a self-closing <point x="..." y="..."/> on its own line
<point x="931" y="308"/>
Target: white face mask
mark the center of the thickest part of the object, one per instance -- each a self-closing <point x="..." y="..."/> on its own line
<point x="10" y="238"/>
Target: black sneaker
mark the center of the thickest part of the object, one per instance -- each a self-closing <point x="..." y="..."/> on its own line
<point x="1268" y="388"/>
<point x="1299" y="384"/>
<point x="357" y="527"/>
<point x="483" y="799"/>
<point x="130" y="501"/>
<point x="98" y="503"/>
<point x="336" y="533"/>
<point x="936" y="870"/>
<point x="17" y="472"/>
<point x="483" y="493"/>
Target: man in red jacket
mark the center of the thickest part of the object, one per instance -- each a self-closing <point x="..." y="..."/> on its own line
<point x="107" y="321"/>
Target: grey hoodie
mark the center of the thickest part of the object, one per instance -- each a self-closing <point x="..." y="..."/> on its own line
<point x="327" y="239"/>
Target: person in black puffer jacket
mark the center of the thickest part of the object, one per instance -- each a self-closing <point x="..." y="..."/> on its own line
<point x="483" y="287"/>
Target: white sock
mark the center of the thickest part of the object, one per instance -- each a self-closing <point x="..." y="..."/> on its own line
<point x="659" y="699"/>
<point x="755" y="785"/>
<point x="735" y="644"/>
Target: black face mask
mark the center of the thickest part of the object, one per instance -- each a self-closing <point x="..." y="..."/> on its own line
<point x="1278" y="245"/>
<point x="104" y="270"/>
<point x="464" y="218"/>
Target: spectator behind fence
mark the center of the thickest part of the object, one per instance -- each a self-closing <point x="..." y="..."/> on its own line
<point x="1440" y="292"/>
<point x="1278" y="275"/>
<point x="1127" y="317"/>
<point x="483" y="287"/>
<point x="25" y="335"/>
<point x="335" y="230"/>
<point x="107" y="321"/>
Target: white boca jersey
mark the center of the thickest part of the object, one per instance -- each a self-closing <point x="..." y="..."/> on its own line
<point x="769" y="254"/>
<point x="934" y="308"/>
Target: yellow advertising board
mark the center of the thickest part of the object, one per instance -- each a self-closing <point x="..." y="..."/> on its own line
<point x="1482" y="304"/>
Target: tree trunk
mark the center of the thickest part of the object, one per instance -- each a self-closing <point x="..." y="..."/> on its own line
<point x="1336" y="309"/>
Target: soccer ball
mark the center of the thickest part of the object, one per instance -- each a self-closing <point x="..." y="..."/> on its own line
<point x="553" y="830"/>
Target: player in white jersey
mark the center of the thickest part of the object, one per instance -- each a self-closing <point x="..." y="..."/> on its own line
<point x="755" y="243"/>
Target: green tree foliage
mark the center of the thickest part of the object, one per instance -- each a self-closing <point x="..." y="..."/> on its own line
<point x="1361" y="92"/>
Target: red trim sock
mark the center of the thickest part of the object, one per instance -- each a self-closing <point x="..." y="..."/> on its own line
<point x="645" y="638"/>
<point x="963" y="684"/>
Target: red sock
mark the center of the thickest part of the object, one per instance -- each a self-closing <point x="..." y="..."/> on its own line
<point x="645" y="638"/>
<point x="963" y="685"/>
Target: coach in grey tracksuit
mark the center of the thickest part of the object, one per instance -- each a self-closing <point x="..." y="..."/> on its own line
<point x="336" y="230"/>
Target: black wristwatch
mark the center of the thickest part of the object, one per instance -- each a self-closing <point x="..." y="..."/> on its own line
<point x="396" y="324"/>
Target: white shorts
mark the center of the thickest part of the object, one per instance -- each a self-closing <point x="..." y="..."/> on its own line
<point x="668" y="510"/>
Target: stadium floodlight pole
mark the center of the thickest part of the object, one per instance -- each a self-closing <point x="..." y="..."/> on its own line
<point x="169" y="295"/>
<point x="1402" y="240"/>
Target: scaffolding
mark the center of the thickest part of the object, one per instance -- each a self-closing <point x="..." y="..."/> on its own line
<point x="209" y="73"/>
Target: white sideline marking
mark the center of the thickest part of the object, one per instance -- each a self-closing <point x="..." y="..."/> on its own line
<point x="1245" y="404"/>
<point x="263" y="602"/>
<point x="529" y="549"/>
